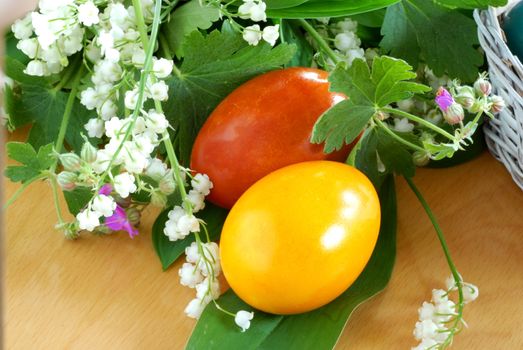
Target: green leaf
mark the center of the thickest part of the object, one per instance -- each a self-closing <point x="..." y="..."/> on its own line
<point x="77" y="199"/>
<point x="45" y="108"/>
<point x="33" y="163"/>
<point x="281" y="4"/>
<point x="186" y="19"/>
<point x="318" y="329"/>
<point x="373" y="19"/>
<point x="341" y="124"/>
<point x="214" y="66"/>
<point x="169" y="251"/>
<point x="367" y="91"/>
<point x="446" y="39"/>
<point x="381" y="155"/>
<point x="291" y="34"/>
<point x="327" y="8"/>
<point x="472" y="4"/>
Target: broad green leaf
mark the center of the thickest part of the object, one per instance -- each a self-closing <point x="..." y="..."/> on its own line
<point x="169" y="251"/>
<point x="45" y="108"/>
<point x="381" y="155"/>
<point x="32" y="163"/>
<point x="472" y="4"/>
<point x="291" y="34"/>
<point x="328" y="8"/>
<point x="281" y="4"/>
<point x="214" y="66"/>
<point x="446" y="39"/>
<point x="372" y="19"/>
<point x="318" y="329"/>
<point x="388" y="82"/>
<point x="186" y="19"/>
<point x="341" y="124"/>
<point x="77" y="199"/>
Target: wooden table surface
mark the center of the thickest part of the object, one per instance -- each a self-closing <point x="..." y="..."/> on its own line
<point x="110" y="292"/>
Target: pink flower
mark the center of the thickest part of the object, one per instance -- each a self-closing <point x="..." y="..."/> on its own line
<point x="119" y="221"/>
<point x="444" y="99"/>
<point x="106" y="189"/>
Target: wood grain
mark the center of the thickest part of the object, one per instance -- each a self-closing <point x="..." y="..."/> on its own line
<point x="110" y="293"/>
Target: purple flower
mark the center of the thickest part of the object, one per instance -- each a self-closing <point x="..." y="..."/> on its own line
<point x="119" y="221"/>
<point x="444" y="99"/>
<point x="106" y="189"/>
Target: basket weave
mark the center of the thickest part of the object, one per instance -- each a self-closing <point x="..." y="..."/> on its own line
<point x="504" y="134"/>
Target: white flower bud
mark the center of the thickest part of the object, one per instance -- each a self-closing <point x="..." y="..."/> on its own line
<point x="243" y="319"/>
<point x="131" y="98"/>
<point x="156" y="169"/>
<point x="190" y="276"/>
<point x="67" y="180"/>
<point x="425" y="329"/>
<point x="454" y="114"/>
<point x="167" y="184"/>
<point x="158" y="199"/>
<point x="483" y="86"/>
<point x="406" y="105"/>
<point x="162" y="68"/>
<point x="421" y="158"/>
<point x="470" y="292"/>
<point x="208" y="291"/>
<point x="124" y="184"/>
<point x="105" y="205"/>
<point x="465" y="97"/>
<point x="88" y="14"/>
<point x="403" y="125"/>
<point x="271" y="33"/>
<point x="29" y="47"/>
<point x="426" y="311"/>
<point x="195" y="308"/>
<point x="187" y="224"/>
<point x="202" y="184"/>
<point x="159" y="91"/>
<point x="497" y="104"/>
<point x="252" y="34"/>
<point x="36" y="68"/>
<point x="95" y="127"/>
<point x="70" y="161"/>
<point x="346" y="41"/>
<point x="192" y="253"/>
<point x="197" y="200"/>
<point x="88" y="220"/>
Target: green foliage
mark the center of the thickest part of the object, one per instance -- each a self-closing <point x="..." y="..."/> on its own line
<point x="77" y="199"/>
<point x="388" y="82"/>
<point x="446" y="39"/>
<point x="33" y="163"/>
<point x="380" y="155"/>
<point x="291" y="34"/>
<point x="214" y="65"/>
<point x="187" y="18"/>
<point x="169" y="251"/>
<point x="323" y="8"/>
<point x="318" y="329"/>
<point x="472" y="4"/>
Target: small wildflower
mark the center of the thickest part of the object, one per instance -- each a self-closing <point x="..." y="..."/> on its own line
<point x="444" y="99"/>
<point x="243" y="319"/>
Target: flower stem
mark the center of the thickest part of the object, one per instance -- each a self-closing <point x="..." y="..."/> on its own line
<point x="67" y="112"/>
<point x="321" y="42"/>
<point x="419" y="121"/>
<point x="398" y="138"/>
<point x="142" y="28"/>
<point x="450" y="262"/>
<point x="54" y="187"/>
<point x="22" y="188"/>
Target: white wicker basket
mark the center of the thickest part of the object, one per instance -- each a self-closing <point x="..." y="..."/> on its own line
<point x="504" y="134"/>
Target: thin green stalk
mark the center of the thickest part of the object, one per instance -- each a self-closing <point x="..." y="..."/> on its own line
<point x="54" y="187"/>
<point x="22" y="188"/>
<point x="446" y="251"/>
<point x="419" y="121"/>
<point x="67" y="112"/>
<point x="65" y="79"/>
<point x="321" y="42"/>
<point x="142" y="28"/>
<point x="398" y="138"/>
